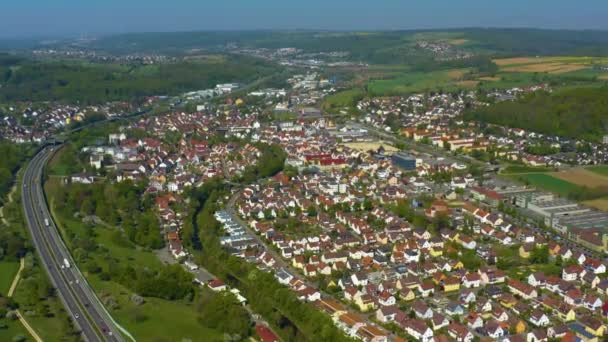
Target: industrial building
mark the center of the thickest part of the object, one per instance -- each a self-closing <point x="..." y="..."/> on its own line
<point x="561" y="214"/>
<point x="404" y="160"/>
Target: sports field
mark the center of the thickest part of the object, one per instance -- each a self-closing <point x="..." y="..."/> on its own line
<point x="371" y="146"/>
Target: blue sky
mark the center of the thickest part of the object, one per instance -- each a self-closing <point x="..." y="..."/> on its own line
<point x="74" y="17"/>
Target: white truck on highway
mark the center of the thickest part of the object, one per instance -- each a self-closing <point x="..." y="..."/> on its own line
<point x="66" y="263"/>
<point x="46" y="222"/>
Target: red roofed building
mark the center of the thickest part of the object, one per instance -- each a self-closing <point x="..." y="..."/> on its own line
<point x="265" y="333"/>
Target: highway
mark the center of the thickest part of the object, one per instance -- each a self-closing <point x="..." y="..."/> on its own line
<point x="87" y="313"/>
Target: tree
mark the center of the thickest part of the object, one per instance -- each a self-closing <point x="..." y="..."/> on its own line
<point x="540" y="255"/>
<point x="419" y="221"/>
<point x="311" y="211"/>
<point x="368" y="205"/>
<point x="558" y="260"/>
<point x="440" y="221"/>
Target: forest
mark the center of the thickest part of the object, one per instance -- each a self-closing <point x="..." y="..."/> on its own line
<point x="130" y="209"/>
<point x="14" y="155"/>
<point x="93" y="83"/>
<point x="575" y="113"/>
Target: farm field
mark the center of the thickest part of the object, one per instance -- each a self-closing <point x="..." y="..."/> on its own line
<point x="547" y="182"/>
<point x="551" y="65"/>
<point x="558" y="59"/>
<point x="416" y="82"/>
<point x="467" y="83"/>
<point x="395" y="80"/>
<point x="582" y="177"/>
<point x="458" y="41"/>
<point x="600" y="204"/>
<point x="552" y="68"/>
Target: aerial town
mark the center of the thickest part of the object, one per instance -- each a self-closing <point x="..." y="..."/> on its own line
<point x="388" y="242"/>
<point x="305" y="186"/>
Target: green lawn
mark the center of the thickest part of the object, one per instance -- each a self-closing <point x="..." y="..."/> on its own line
<point x="346" y="98"/>
<point x="13" y="328"/>
<point x="522" y="272"/>
<point x="8" y="270"/>
<point x="599" y="169"/>
<point x="515" y="168"/>
<point x="547" y="182"/>
<point x="284" y="116"/>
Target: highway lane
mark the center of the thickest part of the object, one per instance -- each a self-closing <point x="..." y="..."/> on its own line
<point x="79" y="284"/>
<point x="53" y="269"/>
<point x="70" y="280"/>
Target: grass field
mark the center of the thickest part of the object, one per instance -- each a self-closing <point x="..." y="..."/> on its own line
<point x="416" y="82"/>
<point x="582" y="177"/>
<point x="552" y="68"/>
<point x="459" y="41"/>
<point x="489" y="78"/>
<point x="283" y="116"/>
<point x="600" y="169"/>
<point x="467" y="83"/>
<point x="456" y="74"/>
<point x="600" y="204"/>
<point x="546" y="182"/>
<point x="515" y="168"/>
<point x="156" y="319"/>
<point x="347" y="98"/>
<point x="551" y="65"/>
<point x="558" y="59"/>
<point x="13" y="329"/>
<point x="8" y="270"/>
<point x="57" y="166"/>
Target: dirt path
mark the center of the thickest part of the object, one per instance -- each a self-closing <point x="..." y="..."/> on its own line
<point x="28" y="327"/>
<point x="10" y="199"/>
<point x="11" y="290"/>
